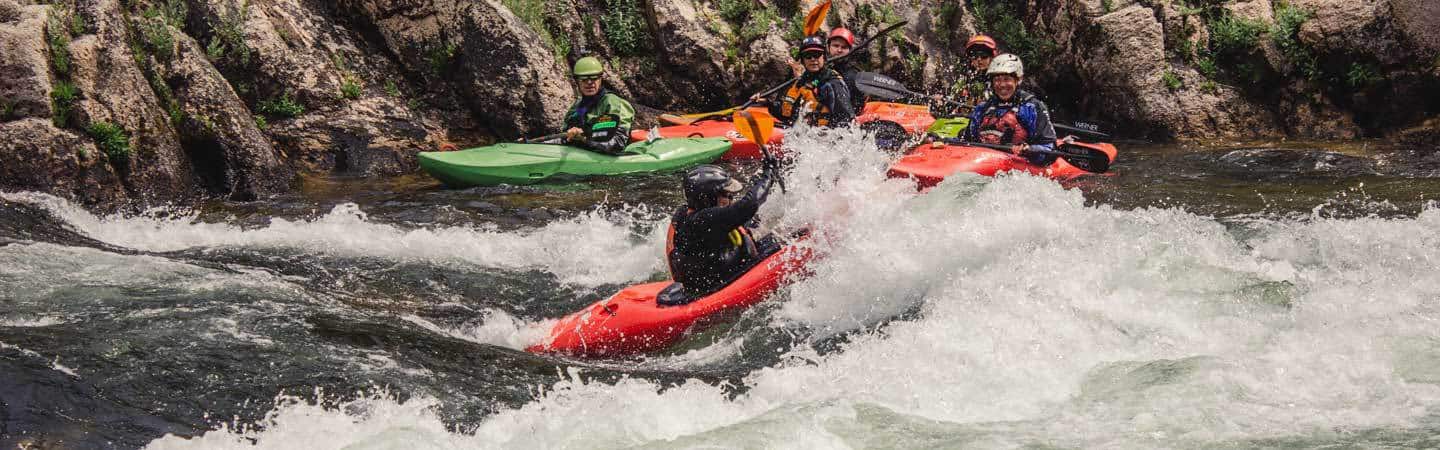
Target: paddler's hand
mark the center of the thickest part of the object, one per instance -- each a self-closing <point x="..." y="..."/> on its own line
<point x="770" y="165"/>
<point x="573" y="133"/>
<point x="796" y="68"/>
<point x="1020" y="149"/>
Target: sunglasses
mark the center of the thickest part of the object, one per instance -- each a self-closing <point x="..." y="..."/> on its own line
<point x="978" y="55"/>
<point x="812" y="55"/>
<point x="588" y="78"/>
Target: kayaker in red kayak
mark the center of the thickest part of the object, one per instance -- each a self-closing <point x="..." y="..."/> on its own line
<point x="972" y="84"/>
<point x="600" y="121"/>
<point x="1013" y="116"/>
<point x="821" y="91"/>
<point x="711" y="239"/>
<point x="840" y="43"/>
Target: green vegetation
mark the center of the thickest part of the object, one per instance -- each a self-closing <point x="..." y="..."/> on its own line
<point x="155" y="33"/>
<point x="112" y="140"/>
<point x="62" y="99"/>
<point x="1172" y="80"/>
<point x="1206" y="66"/>
<point x="1209" y="87"/>
<point x="228" y="36"/>
<point x="1001" y="19"/>
<point x="57" y="39"/>
<point x="736" y="11"/>
<point x="1108" y="6"/>
<point x="533" y="13"/>
<point x="1361" y="75"/>
<point x="916" y="64"/>
<point x="391" y="89"/>
<point x="350" y="89"/>
<point x="795" y="31"/>
<point x="260" y="122"/>
<point x="624" y="27"/>
<point x="1285" y="34"/>
<point x="759" y="25"/>
<point x="174" y="12"/>
<point x="7" y="110"/>
<point x="440" y="56"/>
<point x="282" y="106"/>
<point x="1234" y="37"/>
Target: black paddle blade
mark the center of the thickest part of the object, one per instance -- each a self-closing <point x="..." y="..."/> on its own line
<point x="1085" y="158"/>
<point x="880" y="86"/>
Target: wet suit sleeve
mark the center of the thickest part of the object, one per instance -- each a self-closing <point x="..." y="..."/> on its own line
<point x="737" y="214"/>
<point x="972" y="132"/>
<point x="835" y="94"/>
<point x="1036" y="119"/>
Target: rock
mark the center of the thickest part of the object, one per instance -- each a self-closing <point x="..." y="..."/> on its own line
<point x="39" y="157"/>
<point x="1416" y="19"/>
<point x="504" y="63"/>
<point x="694" y="58"/>
<point x="230" y="155"/>
<point x="1128" y="65"/>
<point x="24" y="67"/>
<point x="114" y="90"/>
<point x="1352" y="27"/>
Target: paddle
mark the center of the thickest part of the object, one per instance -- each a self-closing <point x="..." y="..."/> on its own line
<point x="786" y="84"/>
<point x="544" y="139"/>
<point x="1085" y="158"/>
<point x="1088" y="129"/>
<point x="758" y="130"/>
<point x="816" y="17"/>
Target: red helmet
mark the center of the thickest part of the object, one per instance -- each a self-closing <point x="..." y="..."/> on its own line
<point x="983" y="41"/>
<point x="813" y="44"/>
<point x="842" y="33"/>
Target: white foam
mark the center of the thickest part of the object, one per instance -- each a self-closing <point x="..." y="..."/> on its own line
<point x="1036" y="321"/>
<point x="590" y="249"/>
<point x="497" y="328"/>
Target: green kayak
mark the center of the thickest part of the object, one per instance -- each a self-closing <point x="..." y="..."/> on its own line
<point x="949" y="127"/>
<point x="515" y="163"/>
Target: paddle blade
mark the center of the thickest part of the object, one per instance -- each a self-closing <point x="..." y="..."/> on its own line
<point x="1085" y="158"/>
<point x="756" y="127"/>
<point x="816" y="17"/>
<point x="881" y="87"/>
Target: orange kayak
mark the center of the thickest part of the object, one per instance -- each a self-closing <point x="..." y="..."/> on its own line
<point x="914" y="119"/>
<point x="631" y="322"/>
<point x="929" y="164"/>
<point x="740" y="147"/>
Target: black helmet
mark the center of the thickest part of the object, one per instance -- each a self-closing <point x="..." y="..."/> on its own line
<point x="705" y="182"/>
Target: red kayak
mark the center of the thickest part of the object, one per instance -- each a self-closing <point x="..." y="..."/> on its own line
<point x="914" y="119"/>
<point x="631" y="322"/>
<point x="929" y="164"/>
<point x="720" y="126"/>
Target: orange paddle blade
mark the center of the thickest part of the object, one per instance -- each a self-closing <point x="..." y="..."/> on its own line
<point x="816" y="17"/>
<point x="755" y="127"/>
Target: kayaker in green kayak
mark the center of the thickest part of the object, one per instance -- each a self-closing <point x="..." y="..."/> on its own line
<point x="821" y="91"/>
<point x="711" y="239"/>
<point x="972" y="83"/>
<point x="600" y="121"/>
<point x="1012" y="116"/>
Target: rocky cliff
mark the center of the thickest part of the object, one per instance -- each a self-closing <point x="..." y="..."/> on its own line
<point x="142" y="101"/>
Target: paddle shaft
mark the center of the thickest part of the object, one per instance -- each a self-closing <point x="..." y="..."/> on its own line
<point x="545" y="138"/>
<point x="1007" y="148"/>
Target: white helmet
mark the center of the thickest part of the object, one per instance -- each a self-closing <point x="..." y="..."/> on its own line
<point x="1006" y="63"/>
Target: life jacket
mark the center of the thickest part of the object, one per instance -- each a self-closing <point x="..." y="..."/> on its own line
<point x="802" y="96"/>
<point x="740" y="238"/>
<point x="1000" y="123"/>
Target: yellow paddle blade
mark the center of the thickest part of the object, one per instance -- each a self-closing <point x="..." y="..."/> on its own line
<point x="816" y="17"/>
<point x="756" y="127"/>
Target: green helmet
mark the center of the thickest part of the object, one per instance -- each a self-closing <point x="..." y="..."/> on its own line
<point x="588" y="65"/>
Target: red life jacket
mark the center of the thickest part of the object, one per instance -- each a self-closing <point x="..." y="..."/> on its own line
<point x="1004" y="128"/>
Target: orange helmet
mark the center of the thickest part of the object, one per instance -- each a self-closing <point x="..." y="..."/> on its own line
<point x="983" y="41"/>
<point x="842" y="33"/>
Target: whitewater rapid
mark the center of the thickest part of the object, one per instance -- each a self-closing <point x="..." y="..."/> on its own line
<point x="991" y="313"/>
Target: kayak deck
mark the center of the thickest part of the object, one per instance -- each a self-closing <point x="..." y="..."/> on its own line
<point x="929" y="164"/>
<point x="631" y="322"/>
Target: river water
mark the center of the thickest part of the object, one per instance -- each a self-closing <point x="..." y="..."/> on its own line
<point x="1232" y="296"/>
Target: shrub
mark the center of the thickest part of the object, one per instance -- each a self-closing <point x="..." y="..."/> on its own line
<point x="112" y="140"/>
<point x="1206" y="66"/>
<point x="391" y="89"/>
<point x="735" y="11"/>
<point x="623" y="27"/>
<point x="758" y="25"/>
<point x="1361" y="76"/>
<point x="7" y="110"/>
<point x="62" y="100"/>
<point x="1285" y="34"/>
<point x="260" y="122"/>
<point x="156" y="35"/>
<point x="282" y="106"/>
<point x="229" y="33"/>
<point x="1003" y="22"/>
<point x="440" y="56"/>
<point x="1172" y="81"/>
<point x="1231" y="36"/>
<point x="1107" y="6"/>
<point x="350" y="89"/>
<point x="57" y="38"/>
<point x="1209" y="87"/>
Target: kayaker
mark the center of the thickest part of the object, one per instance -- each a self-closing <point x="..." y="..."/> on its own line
<point x="1011" y="115"/>
<point x="972" y="83"/>
<point x="840" y="43"/>
<point x="711" y="239"/>
<point x="600" y="121"/>
<point x="821" y="91"/>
